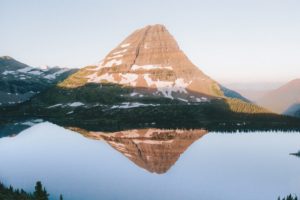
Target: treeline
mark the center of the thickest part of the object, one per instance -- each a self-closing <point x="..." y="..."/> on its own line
<point x="9" y="193"/>
<point x="222" y="115"/>
<point x="239" y="106"/>
<point x="289" y="197"/>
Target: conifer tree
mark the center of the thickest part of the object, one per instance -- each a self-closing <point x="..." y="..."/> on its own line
<point x="40" y="193"/>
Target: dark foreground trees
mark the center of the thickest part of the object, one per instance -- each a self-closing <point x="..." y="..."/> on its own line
<point x="40" y="193"/>
<point x="289" y="197"/>
<point x="9" y="193"/>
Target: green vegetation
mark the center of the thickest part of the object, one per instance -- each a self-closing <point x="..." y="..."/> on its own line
<point x="107" y="94"/>
<point x="14" y="194"/>
<point x="9" y="193"/>
<point x="217" y="89"/>
<point x="77" y="79"/>
<point x="240" y="106"/>
<point x="289" y="197"/>
<point x="101" y="112"/>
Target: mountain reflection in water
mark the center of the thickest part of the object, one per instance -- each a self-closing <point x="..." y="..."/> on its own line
<point x="155" y="150"/>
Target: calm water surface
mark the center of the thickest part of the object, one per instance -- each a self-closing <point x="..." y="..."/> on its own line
<point x="133" y="165"/>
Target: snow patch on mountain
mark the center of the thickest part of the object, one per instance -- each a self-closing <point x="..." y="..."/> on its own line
<point x="129" y="78"/>
<point x="167" y="87"/>
<point x="54" y="106"/>
<point x="75" y="104"/>
<point x="115" y="56"/>
<point x="202" y="99"/>
<point x="113" y="62"/>
<point x="54" y="75"/>
<point x="6" y="72"/>
<point x="25" y="70"/>
<point x="119" y="52"/>
<point x="125" y="45"/>
<point x="35" y="72"/>
<point x="126" y="105"/>
<point x="126" y="78"/>
<point x="97" y="79"/>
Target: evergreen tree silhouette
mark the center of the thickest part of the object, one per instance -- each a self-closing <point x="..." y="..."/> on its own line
<point x="289" y="197"/>
<point x="40" y="193"/>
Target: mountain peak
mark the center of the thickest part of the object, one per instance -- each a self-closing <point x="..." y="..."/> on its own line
<point x="149" y="58"/>
<point x="155" y="26"/>
<point x="6" y="58"/>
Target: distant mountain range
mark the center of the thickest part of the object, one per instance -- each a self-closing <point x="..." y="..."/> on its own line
<point x="19" y="82"/>
<point x="146" y="81"/>
<point x="285" y="99"/>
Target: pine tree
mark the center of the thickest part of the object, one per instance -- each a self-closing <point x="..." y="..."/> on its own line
<point x="40" y="193"/>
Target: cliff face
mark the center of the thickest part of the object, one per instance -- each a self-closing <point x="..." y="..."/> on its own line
<point x="152" y="149"/>
<point x="149" y="59"/>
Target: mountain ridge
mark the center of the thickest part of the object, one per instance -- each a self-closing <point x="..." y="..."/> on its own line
<point x="283" y="98"/>
<point x="19" y="82"/>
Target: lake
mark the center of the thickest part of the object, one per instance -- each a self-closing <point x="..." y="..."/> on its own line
<point x="152" y="164"/>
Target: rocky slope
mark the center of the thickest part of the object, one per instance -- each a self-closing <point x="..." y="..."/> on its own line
<point x="155" y="150"/>
<point x="284" y="99"/>
<point x="151" y="62"/>
<point x="19" y="82"/>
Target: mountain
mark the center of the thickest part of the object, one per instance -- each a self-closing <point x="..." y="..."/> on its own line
<point x="252" y="95"/>
<point x="146" y="81"/>
<point x="293" y="110"/>
<point x="233" y="94"/>
<point x="253" y="90"/>
<point x="19" y="82"/>
<point x="155" y="150"/>
<point x="150" y="61"/>
<point x="284" y="99"/>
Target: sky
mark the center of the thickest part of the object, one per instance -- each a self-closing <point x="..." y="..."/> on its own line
<point x="231" y="41"/>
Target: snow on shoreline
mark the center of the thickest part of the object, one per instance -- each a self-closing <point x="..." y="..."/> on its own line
<point x="126" y="105"/>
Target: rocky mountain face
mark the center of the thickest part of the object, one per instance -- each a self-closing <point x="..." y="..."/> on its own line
<point x="150" y="61"/>
<point x="284" y="99"/>
<point x="155" y="150"/>
<point x="19" y="82"/>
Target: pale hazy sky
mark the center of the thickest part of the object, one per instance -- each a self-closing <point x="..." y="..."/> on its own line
<point x="230" y="40"/>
